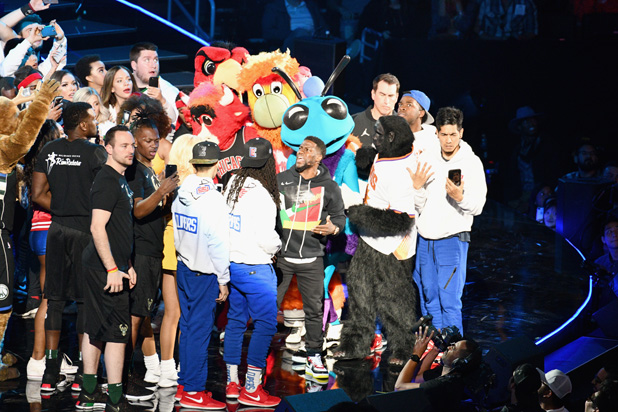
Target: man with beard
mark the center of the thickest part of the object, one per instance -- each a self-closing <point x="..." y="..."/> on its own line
<point x="311" y="210"/>
<point x="586" y="159"/>
<point x="65" y="169"/>
<point x="414" y="107"/>
<point x="107" y="263"/>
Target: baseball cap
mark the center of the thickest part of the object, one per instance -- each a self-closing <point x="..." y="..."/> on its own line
<point x="526" y="377"/>
<point x="205" y="153"/>
<point x="256" y="153"/>
<point x="423" y="101"/>
<point x="557" y="381"/>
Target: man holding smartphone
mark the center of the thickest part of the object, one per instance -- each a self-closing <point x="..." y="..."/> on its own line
<point x="145" y="65"/>
<point x="446" y="213"/>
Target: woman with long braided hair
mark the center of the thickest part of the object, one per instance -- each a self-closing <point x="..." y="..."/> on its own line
<point x="253" y="199"/>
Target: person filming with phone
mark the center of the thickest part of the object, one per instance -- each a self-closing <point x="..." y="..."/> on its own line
<point x="450" y="191"/>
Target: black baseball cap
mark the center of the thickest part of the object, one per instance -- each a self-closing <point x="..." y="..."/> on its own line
<point x="205" y="153"/>
<point x="257" y="152"/>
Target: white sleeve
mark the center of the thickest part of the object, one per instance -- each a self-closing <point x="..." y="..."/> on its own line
<point x="268" y="239"/>
<point x="170" y="92"/>
<point x="219" y="238"/>
<point x="475" y="188"/>
<point x="59" y="49"/>
<point x="13" y="60"/>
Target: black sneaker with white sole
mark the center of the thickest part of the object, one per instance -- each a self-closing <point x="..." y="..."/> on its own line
<point x="136" y="392"/>
<point x="89" y="402"/>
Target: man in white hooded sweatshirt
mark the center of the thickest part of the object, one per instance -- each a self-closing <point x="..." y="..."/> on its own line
<point x="451" y="190"/>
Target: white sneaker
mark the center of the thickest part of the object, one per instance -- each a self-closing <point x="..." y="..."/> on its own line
<point x="67" y="367"/>
<point x="152" y="375"/>
<point x="35" y="369"/>
<point x="296" y="335"/>
<point x="167" y="380"/>
<point x="314" y="368"/>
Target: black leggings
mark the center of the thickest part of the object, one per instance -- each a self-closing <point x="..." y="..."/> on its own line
<point x="53" y="321"/>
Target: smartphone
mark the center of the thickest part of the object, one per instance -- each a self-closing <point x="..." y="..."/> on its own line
<point x="455" y="176"/>
<point x="153" y="81"/>
<point x="50" y="1"/>
<point x="126" y="116"/>
<point x="170" y="170"/>
<point x="57" y="100"/>
<point x="48" y="31"/>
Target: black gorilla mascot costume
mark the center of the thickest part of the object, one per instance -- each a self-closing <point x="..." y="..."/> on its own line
<point x="380" y="275"/>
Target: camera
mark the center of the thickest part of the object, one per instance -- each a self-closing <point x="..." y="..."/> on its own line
<point x="441" y="339"/>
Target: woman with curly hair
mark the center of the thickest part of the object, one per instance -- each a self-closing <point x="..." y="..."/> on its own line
<point x="152" y="109"/>
<point x="253" y="197"/>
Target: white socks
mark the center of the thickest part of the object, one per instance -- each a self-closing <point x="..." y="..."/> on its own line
<point x="232" y="373"/>
<point x="253" y="378"/>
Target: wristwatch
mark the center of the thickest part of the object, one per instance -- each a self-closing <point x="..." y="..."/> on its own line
<point x="415" y="358"/>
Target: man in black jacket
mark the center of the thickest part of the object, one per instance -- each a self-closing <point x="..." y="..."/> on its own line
<point x="311" y="209"/>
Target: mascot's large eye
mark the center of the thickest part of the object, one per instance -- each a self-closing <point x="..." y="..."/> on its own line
<point x="209" y="67"/>
<point x="275" y="87"/>
<point x="258" y="90"/>
<point x="335" y="108"/>
<point x="296" y="117"/>
<point x="228" y="96"/>
<point x="206" y="120"/>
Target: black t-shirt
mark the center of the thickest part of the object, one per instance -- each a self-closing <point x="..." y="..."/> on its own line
<point x="364" y="126"/>
<point x="111" y="192"/>
<point x="444" y="392"/>
<point x="70" y="167"/>
<point x="149" y="230"/>
<point x="8" y="194"/>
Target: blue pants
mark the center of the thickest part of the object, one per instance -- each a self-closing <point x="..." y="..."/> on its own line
<point x="442" y="269"/>
<point x="197" y="293"/>
<point x="253" y="293"/>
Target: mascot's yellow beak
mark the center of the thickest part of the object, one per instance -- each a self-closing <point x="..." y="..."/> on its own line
<point x="227" y="73"/>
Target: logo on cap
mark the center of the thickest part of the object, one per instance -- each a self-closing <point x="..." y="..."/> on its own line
<point x="252" y="151"/>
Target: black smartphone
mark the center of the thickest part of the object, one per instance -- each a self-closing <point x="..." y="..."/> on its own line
<point x="153" y="81"/>
<point x="170" y="170"/>
<point x="455" y="176"/>
<point x="57" y="100"/>
<point x="48" y="31"/>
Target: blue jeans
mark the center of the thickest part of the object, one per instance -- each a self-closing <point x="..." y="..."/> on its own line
<point x="197" y="293"/>
<point x="442" y="269"/>
<point x="253" y="293"/>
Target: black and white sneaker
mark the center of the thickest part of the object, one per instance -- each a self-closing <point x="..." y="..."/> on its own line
<point x="89" y="402"/>
<point x="137" y="393"/>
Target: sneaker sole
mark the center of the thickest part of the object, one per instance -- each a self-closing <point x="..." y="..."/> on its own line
<point x="135" y="398"/>
<point x="257" y="404"/>
<point x="206" y="408"/>
<point x="317" y="377"/>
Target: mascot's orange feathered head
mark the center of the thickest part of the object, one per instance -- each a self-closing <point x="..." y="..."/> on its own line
<point x="219" y="63"/>
<point x="219" y="110"/>
<point x="268" y="94"/>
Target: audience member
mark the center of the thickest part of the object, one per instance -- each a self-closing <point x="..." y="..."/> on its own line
<point x="609" y="261"/>
<point x="90" y="71"/>
<point x="90" y="96"/>
<point x="549" y="213"/>
<point x="286" y="20"/>
<point x="447" y="209"/>
<point x="10" y="20"/>
<point x="501" y="21"/>
<point x="452" y="18"/>
<point x="145" y="65"/>
<point x="554" y="389"/>
<point x="607" y="372"/>
<point x="610" y="171"/>
<point x="537" y="200"/>
<point x="586" y="158"/>
<point x="68" y="84"/>
<point x="118" y="85"/>
<point x="523" y="386"/>
<point x="397" y="19"/>
<point x="605" y="399"/>
<point x="201" y="235"/>
<point x="7" y="87"/>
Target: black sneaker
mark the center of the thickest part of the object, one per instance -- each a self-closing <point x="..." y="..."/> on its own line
<point x="52" y="378"/>
<point x="136" y="392"/>
<point x="144" y="384"/>
<point x="125" y="406"/>
<point x="76" y="386"/>
<point x="88" y="402"/>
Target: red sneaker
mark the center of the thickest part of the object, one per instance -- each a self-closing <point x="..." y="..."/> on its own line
<point x="179" y="391"/>
<point x="200" y="400"/>
<point x="232" y="390"/>
<point x="379" y="344"/>
<point x="258" y="398"/>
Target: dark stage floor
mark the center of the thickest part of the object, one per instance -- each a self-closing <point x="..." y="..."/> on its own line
<point x="522" y="280"/>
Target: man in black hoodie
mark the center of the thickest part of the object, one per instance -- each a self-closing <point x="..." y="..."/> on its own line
<point x="311" y="209"/>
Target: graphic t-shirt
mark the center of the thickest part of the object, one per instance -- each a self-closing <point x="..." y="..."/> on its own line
<point x="148" y="230"/>
<point x="111" y="192"/>
<point x="70" y="167"/>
